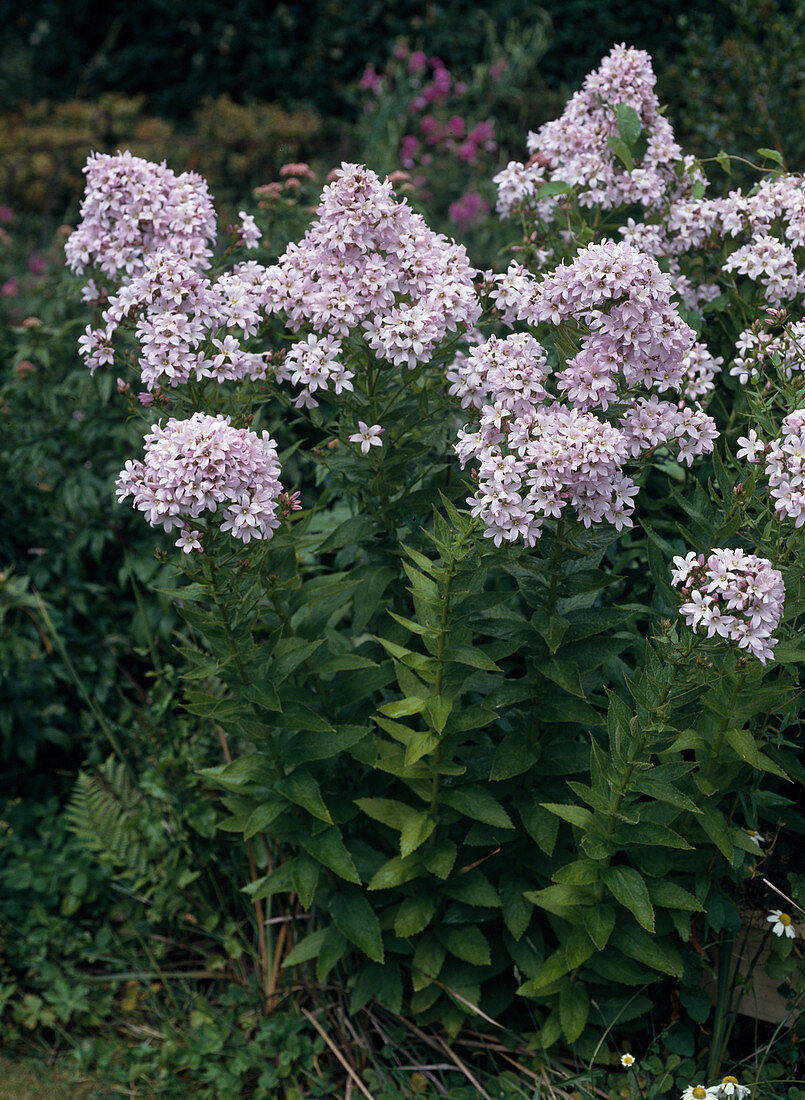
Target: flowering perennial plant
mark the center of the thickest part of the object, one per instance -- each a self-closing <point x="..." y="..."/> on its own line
<point x="199" y="465"/>
<point x="133" y="208"/>
<point x="732" y="594"/>
<point x="782" y="925"/>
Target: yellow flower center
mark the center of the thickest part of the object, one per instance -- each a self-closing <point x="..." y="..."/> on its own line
<point x="785" y="919"/>
<point x="699" y="1092"/>
<point x="730" y="1081"/>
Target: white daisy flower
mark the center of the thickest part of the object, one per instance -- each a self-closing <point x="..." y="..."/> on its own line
<point x="781" y="923"/>
<point x="758" y="839"/>
<point x="729" y="1089"/>
<point x="628" y="1060"/>
<point x="694" y="1092"/>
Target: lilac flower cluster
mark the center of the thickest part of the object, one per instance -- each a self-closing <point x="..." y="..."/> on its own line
<point x="197" y="465"/>
<point x="186" y="325"/>
<point x="545" y="440"/>
<point x="785" y="465"/>
<point x="732" y="594"/>
<point x="133" y="208"/>
<point x="756" y="347"/>
<point x="575" y="148"/>
<point x="761" y="230"/>
<point x="370" y="263"/>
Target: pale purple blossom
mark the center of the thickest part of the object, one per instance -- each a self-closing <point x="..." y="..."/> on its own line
<point x="367" y="436"/>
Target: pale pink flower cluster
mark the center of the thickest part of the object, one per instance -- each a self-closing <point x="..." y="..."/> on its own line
<point x="758" y="348"/>
<point x="732" y="594"/>
<point x="197" y="466"/>
<point x="574" y="148"/>
<point x="186" y="324"/>
<point x="133" y="208"/>
<point x="766" y="226"/>
<point x="313" y="363"/>
<point x="785" y="465"/>
<point x="546" y="439"/>
<point x="369" y="263"/>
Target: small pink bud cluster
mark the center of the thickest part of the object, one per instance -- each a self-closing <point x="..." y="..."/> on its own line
<point x="732" y="594"/>
<point x="132" y="208"/>
<point x="197" y="466"/>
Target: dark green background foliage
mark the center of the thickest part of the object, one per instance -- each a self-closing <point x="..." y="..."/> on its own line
<point x="304" y="51"/>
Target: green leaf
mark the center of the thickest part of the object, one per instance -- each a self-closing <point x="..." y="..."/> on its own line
<point x="716" y="827"/>
<point x="384" y="983"/>
<point x="651" y="833"/>
<point x="516" y="908"/>
<point x="576" y="815"/>
<point x="306" y="949"/>
<point x="582" y="872"/>
<point x="416" y="831"/>
<point x="329" y="848"/>
<point x="772" y="154"/>
<point x="300" y="787"/>
<point x="671" y="896"/>
<point x="554" y="968"/>
<point x="427" y="961"/>
<point x="388" y="811"/>
<point x="439" y="859"/>
<point x="599" y="922"/>
<point x="553" y="187"/>
<point x="629" y="125"/>
<point x="332" y="950"/>
<point x="578" y="948"/>
<point x="551" y="627"/>
<point x="513" y="756"/>
<point x="565" y="674"/>
<point x="280" y="881"/>
<point x="465" y="942"/>
<point x="415" y="914"/>
<point x="745" y="746"/>
<point x="574" y="1007"/>
<point x="724" y="161"/>
<point x="664" y="791"/>
<point x="354" y="918"/>
<point x="262" y="816"/>
<point x="658" y="954"/>
<point x="541" y="826"/>
<point x="439" y="708"/>
<point x="629" y="887"/>
<point x="395" y="872"/>
<point x="621" y="151"/>
<point x="305" y="874"/>
<point x="475" y="658"/>
<point x="477" y="804"/>
<point x="421" y="743"/>
<point x="400" y="708"/>
<point x="473" y="888"/>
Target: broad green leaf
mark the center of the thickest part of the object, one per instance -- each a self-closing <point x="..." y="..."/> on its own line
<point x="553" y="187"/>
<point x="300" y="787"/>
<point x="649" y="832"/>
<point x="516" y="908"/>
<point x="262" y="816"/>
<point x="355" y="918"/>
<point x="565" y="674"/>
<point x="439" y="708"/>
<point x="388" y="811"/>
<point x="554" y="968"/>
<point x="416" y="830"/>
<point x="440" y="858"/>
<point x="395" y="872"/>
<point x="332" y="950"/>
<point x="280" y="881"/>
<point x="724" y="161"/>
<point x="716" y="827"/>
<point x="574" y="1007"/>
<point x="513" y="756"/>
<point x="599" y="922"/>
<point x="400" y="708"/>
<point x="629" y="125"/>
<point x="541" y="826"/>
<point x="578" y="948"/>
<point x="465" y="942"/>
<point x="473" y="888"/>
<point x="427" y="962"/>
<point x="658" y="954"/>
<point x="664" y="791"/>
<point x="551" y="627"/>
<point x="745" y="746"/>
<point x="576" y="815"/>
<point x="476" y="803"/>
<point x="621" y="151"/>
<point x="582" y="872"/>
<point x="306" y="949"/>
<point x="475" y="658"/>
<point x="671" y="896"/>
<point x="415" y="914"/>
<point x="305" y="874"/>
<point x="629" y="888"/>
<point x="772" y="154"/>
<point x="329" y="848"/>
<point x="383" y="982"/>
<point x="421" y="743"/>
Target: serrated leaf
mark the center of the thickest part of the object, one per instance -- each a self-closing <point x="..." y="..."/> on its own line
<point x="329" y="848"/>
<point x="439" y="859"/>
<point x="629" y="888"/>
<point x="516" y="908"/>
<point x="541" y="825"/>
<point x="415" y="914"/>
<point x="472" y="888"/>
<point x="429" y="956"/>
<point x="300" y="787"/>
<point x="305" y="875"/>
<point x="745" y="746"/>
<point x="395" y="872"/>
<point x="355" y="918"/>
<point x="279" y="881"/>
<point x="477" y="804"/>
<point x="574" y="1007"/>
<point x="598" y="923"/>
<point x="400" y="708"/>
<point x="383" y="982"/>
<point x="388" y="811"/>
<point x="565" y="674"/>
<point x="306" y="949"/>
<point x="465" y="942"/>
<point x="416" y="831"/>
<point x="629" y="125"/>
<point x="658" y="954"/>
<point x="262" y="816"/>
<point x="474" y="657"/>
<point x="554" y="968"/>
<point x="439" y="708"/>
<point x="578" y="948"/>
<point x="513" y="756"/>
<point x="716" y="827"/>
<point x="576" y="815"/>
<point x="672" y="896"/>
